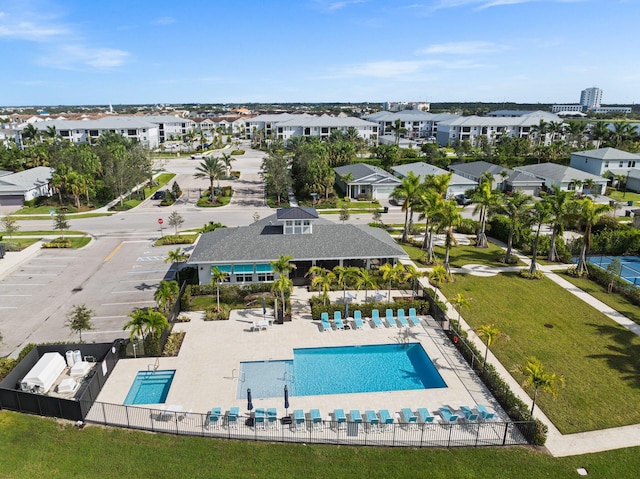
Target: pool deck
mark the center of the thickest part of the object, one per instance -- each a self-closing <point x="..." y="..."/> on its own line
<point x="209" y="360"/>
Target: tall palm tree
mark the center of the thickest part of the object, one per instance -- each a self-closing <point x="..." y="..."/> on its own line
<point x="398" y="130"/>
<point x="460" y="301"/>
<point x="365" y="280"/>
<point x="392" y="274"/>
<point x="166" y="294"/>
<point x="540" y="130"/>
<point x="212" y="169"/>
<point x="588" y="213"/>
<point x="344" y="277"/>
<point x="491" y="333"/>
<point x="176" y="256"/>
<point x="449" y="217"/>
<point x="283" y="285"/>
<point x="558" y="203"/>
<point x="599" y="132"/>
<point x="540" y="214"/>
<point x="137" y="325"/>
<point x="536" y="377"/>
<point x="514" y="207"/>
<point x="483" y="198"/>
<point x="227" y="159"/>
<point x="437" y="276"/>
<point x="217" y="277"/>
<point x="622" y="132"/>
<point x="156" y="322"/>
<point x="414" y="275"/>
<point x="323" y="279"/>
<point x="30" y="134"/>
<point x="283" y="266"/>
<point x="409" y="191"/>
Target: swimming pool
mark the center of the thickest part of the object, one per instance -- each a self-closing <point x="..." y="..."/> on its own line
<point x="342" y="370"/>
<point x="150" y="387"/>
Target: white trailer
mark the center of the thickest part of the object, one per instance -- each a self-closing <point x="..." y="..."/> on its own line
<point x="44" y="374"/>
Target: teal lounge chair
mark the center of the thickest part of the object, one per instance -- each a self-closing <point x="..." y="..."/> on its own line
<point x="337" y="320"/>
<point x="260" y="417"/>
<point x="413" y="318"/>
<point x="372" y="421"/>
<point x="485" y="415"/>
<point x="389" y="318"/>
<point x="448" y="415"/>
<point x="355" y="416"/>
<point x="272" y="417"/>
<point x="214" y="418"/>
<point x="357" y="319"/>
<point x="402" y="319"/>
<point x="425" y="415"/>
<point x="298" y="419"/>
<point x="316" y="419"/>
<point x="469" y="414"/>
<point x="232" y="417"/>
<point x="385" y="418"/>
<point x="409" y="418"/>
<point x="375" y="317"/>
<point x="324" y="322"/>
<point x="340" y="418"/>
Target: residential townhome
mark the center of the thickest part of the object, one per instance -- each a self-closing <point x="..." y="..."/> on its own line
<point x="603" y="160"/>
<point x="323" y="126"/>
<point x="503" y="179"/>
<point x="566" y="178"/>
<point x="471" y="128"/>
<point x="415" y="123"/>
<point x="458" y="185"/>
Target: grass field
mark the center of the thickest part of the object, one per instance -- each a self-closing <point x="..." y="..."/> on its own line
<point x="462" y="255"/>
<point x="41" y="447"/>
<point x="597" y="357"/>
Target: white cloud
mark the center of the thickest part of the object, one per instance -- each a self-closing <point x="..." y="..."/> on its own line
<point x="483" y="4"/>
<point x="74" y="57"/>
<point x="335" y="5"/>
<point x="29" y="30"/>
<point x="164" y="21"/>
<point x="462" y="48"/>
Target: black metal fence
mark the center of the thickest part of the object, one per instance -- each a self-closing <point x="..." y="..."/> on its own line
<point x="285" y="429"/>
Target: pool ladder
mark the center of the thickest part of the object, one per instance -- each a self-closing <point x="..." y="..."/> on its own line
<point x="234" y="375"/>
<point x="154" y="367"/>
<point x="292" y="378"/>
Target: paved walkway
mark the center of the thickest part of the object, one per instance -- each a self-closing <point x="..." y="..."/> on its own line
<point x="558" y="444"/>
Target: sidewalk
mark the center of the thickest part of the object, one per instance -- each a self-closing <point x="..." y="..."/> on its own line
<point x="558" y="444"/>
<point x="13" y="259"/>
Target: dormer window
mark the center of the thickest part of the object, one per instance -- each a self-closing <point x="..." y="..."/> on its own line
<point x="297" y="227"/>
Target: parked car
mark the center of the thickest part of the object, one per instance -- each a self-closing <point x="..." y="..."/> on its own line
<point x="197" y="157"/>
<point x="158" y="195"/>
<point x="463" y="200"/>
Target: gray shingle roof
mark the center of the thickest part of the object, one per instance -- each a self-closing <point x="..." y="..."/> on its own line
<point x="560" y="173"/>
<point x="26" y="180"/>
<point x="361" y="171"/>
<point x="111" y="122"/>
<point x="423" y="169"/>
<point x="607" y="154"/>
<point x="263" y="241"/>
<point x="478" y="168"/>
<point x="297" y="213"/>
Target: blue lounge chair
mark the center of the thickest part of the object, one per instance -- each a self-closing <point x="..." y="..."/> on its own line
<point x="324" y="321"/>
<point x="272" y="417"/>
<point x="298" y="419"/>
<point x="401" y="318"/>
<point x="413" y="318"/>
<point x="259" y="417"/>
<point x="372" y="420"/>
<point x="337" y="320"/>
<point x="485" y="415"/>
<point x="357" y="319"/>
<point x="214" y="417"/>
<point x="355" y="416"/>
<point x="232" y="417"/>
<point x="469" y="414"/>
<point x="375" y="317"/>
<point x="316" y="419"/>
<point x="385" y="418"/>
<point x="448" y="415"/>
<point x="409" y="418"/>
<point x="425" y="415"/>
<point x="389" y="318"/>
<point x="341" y="418"/>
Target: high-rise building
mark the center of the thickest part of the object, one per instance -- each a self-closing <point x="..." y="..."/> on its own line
<point x="590" y="98"/>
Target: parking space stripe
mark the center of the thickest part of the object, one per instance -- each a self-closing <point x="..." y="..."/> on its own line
<point x="112" y="254"/>
<point x="15" y="295"/>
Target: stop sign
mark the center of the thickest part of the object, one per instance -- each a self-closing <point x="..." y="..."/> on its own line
<point x="160" y="221"/>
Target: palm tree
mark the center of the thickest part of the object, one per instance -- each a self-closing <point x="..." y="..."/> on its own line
<point x="449" y="217"/>
<point x="398" y="130"/>
<point x="323" y="278"/>
<point x="514" y="208"/>
<point x="30" y="134"/>
<point x="212" y="169"/>
<point x="591" y="187"/>
<point x="438" y="275"/>
<point x="559" y="209"/>
<point x="414" y="275"/>
<point x="483" y="199"/>
<point x="535" y="376"/>
<point x="217" y="277"/>
<point x="392" y="274"/>
<point x="137" y="326"/>
<point x="408" y="190"/>
<point x="156" y="322"/>
<point x="283" y="285"/>
<point x="166" y="294"/>
<point x="588" y="213"/>
<point x="540" y="131"/>
<point x="429" y="203"/>
<point x="227" y="159"/>
<point x="622" y="132"/>
<point x="283" y="266"/>
<point x="540" y="214"/>
<point x="491" y="333"/>
<point x="599" y="132"/>
<point x="345" y="276"/>
<point x="365" y="280"/>
<point x="460" y="301"/>
<point x="176" y="256"/>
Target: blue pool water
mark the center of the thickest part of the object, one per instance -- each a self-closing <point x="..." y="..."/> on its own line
<point x="342" y="370"/>
<point x="150" y="387"/>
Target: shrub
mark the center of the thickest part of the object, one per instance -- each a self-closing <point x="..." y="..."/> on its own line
<point x="11" y="246"/>
<point x="211" y="226"/>
<point x="213" y="314"/>
<point x="237" y="152"/>
<point x="172" y="346"/>
<point x="58" y="243"/>
<point x="182" y="318"/>
<point x="467" y="226"/>
<point x="172" y="239"/>
<point x="537" y="274"/>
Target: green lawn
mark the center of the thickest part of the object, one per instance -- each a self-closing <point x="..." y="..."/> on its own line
<point x="613" y="300"/>
<point x="462" y="255"/>
<point x="41" y="447"/>
<point x="599" y="359"/>
<point x="23" y="242"/>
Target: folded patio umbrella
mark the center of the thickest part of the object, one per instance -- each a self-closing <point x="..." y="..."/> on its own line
<point x="286" y="398"/>
<point x="249" y="403"/>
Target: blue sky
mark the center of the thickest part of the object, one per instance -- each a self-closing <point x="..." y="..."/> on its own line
<point x="111" y="51"/>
